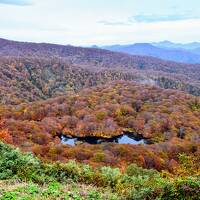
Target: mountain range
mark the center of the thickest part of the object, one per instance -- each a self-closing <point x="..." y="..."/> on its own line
<point x="187" y="46"/>
<point x="183" y="53"/>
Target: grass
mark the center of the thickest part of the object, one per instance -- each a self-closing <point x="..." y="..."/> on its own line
<point x="16" y="190"/>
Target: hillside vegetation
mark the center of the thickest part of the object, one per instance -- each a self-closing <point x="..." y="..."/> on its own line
<point x="26" y="177"/>
<point x="168" y="118"/>
<point x="31" y="72"/>
<point x="29" y="80"/>
<point x="91" y="57"/>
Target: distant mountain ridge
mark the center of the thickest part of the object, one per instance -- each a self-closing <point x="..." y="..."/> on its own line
<point x="167" y="44"/>
<point x="184" y="53"/>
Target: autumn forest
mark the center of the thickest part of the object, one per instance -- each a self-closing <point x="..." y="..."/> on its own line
<point x="52" y="91"/>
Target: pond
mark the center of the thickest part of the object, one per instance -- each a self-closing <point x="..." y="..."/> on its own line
<point x="122" y="139"/>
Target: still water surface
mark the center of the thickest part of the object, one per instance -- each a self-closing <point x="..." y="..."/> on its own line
<point x="123" y="139"/>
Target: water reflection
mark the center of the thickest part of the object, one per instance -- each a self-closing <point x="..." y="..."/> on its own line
<point x="123" y="139"/>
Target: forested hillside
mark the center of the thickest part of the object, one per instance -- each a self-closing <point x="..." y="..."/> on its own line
<point x="168" y="118"/>
<point x="32" y="79"/>
<point x="91" y="57"/>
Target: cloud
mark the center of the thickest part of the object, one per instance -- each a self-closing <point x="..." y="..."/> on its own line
<point x="148" y="19"/>
<point x="161" y="18"/>
<point x="112" y="23"/>
<point x="16" y="2"/>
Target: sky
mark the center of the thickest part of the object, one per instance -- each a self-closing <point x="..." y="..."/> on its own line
<point x="100" y="22"/>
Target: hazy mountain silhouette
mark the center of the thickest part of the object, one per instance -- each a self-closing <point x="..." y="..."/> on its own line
<point x="167" y="51"/>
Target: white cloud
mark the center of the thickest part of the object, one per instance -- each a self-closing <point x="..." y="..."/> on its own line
<point x="78" y="23"/>
<point x="162" y="18"/>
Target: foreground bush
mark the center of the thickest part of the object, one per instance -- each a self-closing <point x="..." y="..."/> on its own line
<point x="134" y="183"/>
